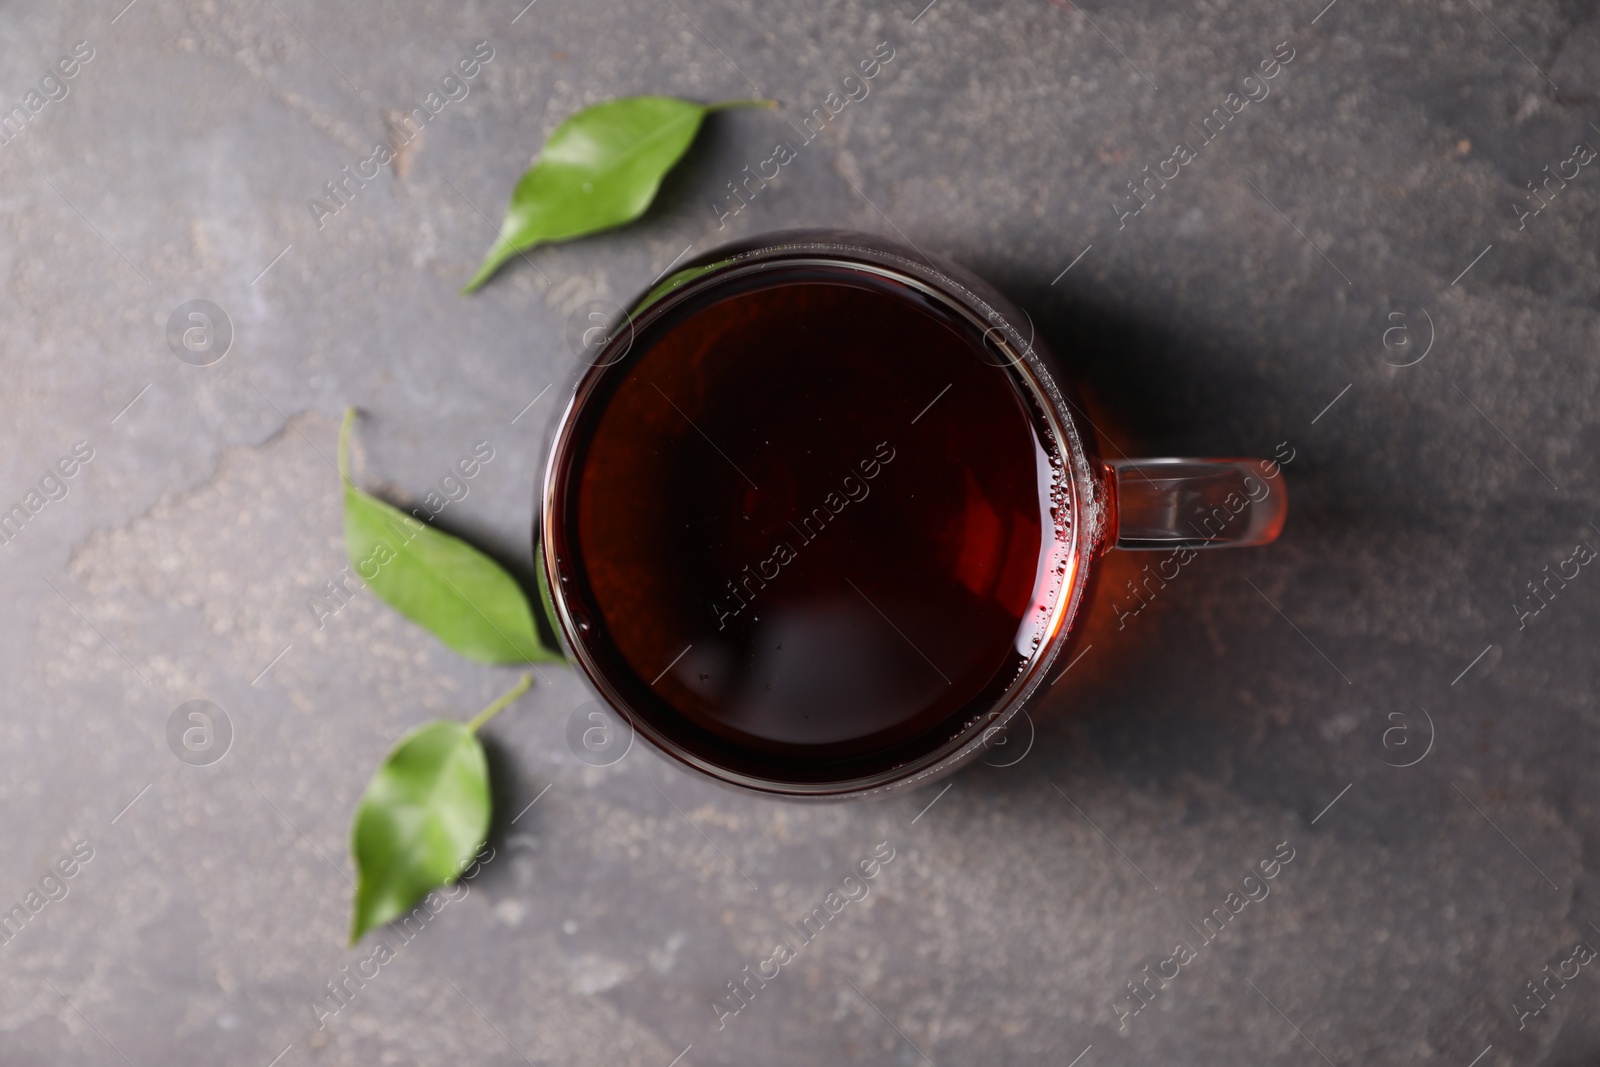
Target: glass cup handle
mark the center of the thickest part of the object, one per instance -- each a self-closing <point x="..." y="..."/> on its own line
<point x="1197" y="503"/>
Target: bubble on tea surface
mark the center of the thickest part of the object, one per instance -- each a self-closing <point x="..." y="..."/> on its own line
<point x="597" y="735"/>
<point x="199" y="332"/>
<point x="199" y="733"/>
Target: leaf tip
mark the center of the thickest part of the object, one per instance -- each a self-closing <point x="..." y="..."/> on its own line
<point x="499" y="252"/>
<point x="491" y="263"/>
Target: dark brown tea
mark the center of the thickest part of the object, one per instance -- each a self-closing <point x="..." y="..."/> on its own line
<point x="806" y="531"/>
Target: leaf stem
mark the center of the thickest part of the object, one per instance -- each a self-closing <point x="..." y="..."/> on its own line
<point x="494" y="709"/>
<point x="344" y="444"/>
<point x="726" y="104"/>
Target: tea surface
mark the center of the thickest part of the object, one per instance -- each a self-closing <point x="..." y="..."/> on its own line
<point x="807" y="531"/>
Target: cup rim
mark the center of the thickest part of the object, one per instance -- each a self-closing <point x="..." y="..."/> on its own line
<point x="961" y="292"/>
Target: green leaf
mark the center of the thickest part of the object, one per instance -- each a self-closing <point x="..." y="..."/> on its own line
<point x="599" y="169"/>
<point x="443" y="584"/>
<point x="422" y="818"/>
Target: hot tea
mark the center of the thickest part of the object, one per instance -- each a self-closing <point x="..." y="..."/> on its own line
<point x="812" y="524"/>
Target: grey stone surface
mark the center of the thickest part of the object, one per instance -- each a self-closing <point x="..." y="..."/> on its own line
<point x="1252" y="292"/>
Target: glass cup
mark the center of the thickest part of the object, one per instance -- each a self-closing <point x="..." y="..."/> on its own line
<point x="1121" y="504"/>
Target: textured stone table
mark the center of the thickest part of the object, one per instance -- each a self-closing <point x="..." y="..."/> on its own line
<point x="1343" y="263"/>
